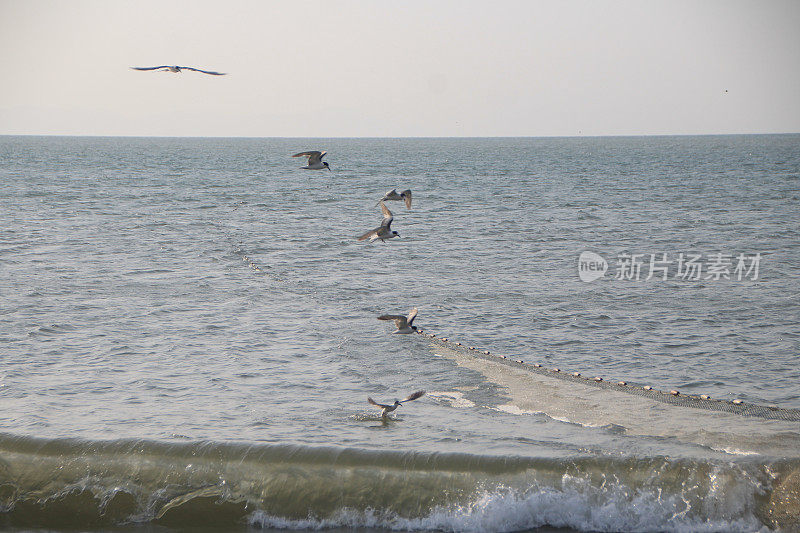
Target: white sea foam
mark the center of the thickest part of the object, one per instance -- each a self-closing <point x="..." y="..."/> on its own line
<point x="576" y="505"/>
<point x="734" y="451"/>
<point x="454" y="398"/>
<point x="514" y="410"/>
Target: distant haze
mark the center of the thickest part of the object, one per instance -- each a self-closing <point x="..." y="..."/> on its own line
<point x="411" y="68"/>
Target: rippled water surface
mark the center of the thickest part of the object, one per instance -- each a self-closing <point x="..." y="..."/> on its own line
<point x="208" y="292"/>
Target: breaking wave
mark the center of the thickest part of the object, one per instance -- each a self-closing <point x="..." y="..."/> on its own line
<point x="67" y="483"/>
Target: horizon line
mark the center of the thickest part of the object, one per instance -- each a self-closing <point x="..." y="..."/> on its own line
<point x="619" y="135"/>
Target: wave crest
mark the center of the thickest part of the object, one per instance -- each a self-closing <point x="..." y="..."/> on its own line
<point x="73" y="483"/>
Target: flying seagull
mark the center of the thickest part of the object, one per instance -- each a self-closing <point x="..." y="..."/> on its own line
<point x="388" y="408"/>
<point x="403" y="323"/>
<point x="392" y="195"/>
<point x="175" y="68"/>
<point x="383" y="231"/>
<point x="315" y="161"/>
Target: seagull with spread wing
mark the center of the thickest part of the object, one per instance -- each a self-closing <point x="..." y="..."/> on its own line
<point x="383" y="231"/>
<point x="388" y="408"/>
<point x="403" y="323"/>
<point x="394" y="195"/>
<point x="315" y="161"/>
<point x="175" y="68"/>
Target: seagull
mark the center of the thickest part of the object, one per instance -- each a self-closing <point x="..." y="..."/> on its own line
<point x="175" y="68"/>
<point x="315" y="161"/>
<point x="392" y="195"/>
<point x="388" y="408"/>
<point x="382" y="232"/>
<point x="403" y="323"/>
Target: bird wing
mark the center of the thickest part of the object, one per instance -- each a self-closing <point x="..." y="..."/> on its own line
<point x="150" y="68"/>
<point x="399" y="320"/>
<point x="414" y="396"/>
<point x="376" y="404"/>
<point x="368" y="234"/>
<point x="411" y="316"/>
<point x="407" y="196"/>
<point x="387" y="216"/>
<point x="386" y="212"/>
<point x="313" y="156"/>
<point x="205" y="71"/>
<point x="387" y="196"/>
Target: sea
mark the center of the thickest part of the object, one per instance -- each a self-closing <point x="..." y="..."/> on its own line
<point x="189" y="334"/>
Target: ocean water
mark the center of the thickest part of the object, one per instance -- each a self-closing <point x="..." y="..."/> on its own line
<point x="188" y="334"/>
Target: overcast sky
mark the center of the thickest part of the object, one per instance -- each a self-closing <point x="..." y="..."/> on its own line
<point x="404" y="68"/>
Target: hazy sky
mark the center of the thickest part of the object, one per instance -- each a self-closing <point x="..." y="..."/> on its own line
<point x="403" y="68"/>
